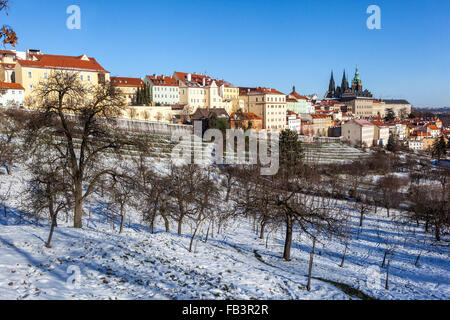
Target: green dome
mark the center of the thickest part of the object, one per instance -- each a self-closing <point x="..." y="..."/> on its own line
<point x="357" y="78"/>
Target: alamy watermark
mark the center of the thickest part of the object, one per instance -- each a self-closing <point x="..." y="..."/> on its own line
<point x="73" y="22"/>
<point x="373" y="280"/>
<point x="242" y="147"/>
<point x="74" y="280"/>
<point x="374" y="20"/>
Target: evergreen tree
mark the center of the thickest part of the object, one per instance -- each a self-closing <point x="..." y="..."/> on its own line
<point x="138" y="96"/>
<point x="439" y="148"/>
<point x="390" y="115"/>
<point x="392" y="144"/>
<point x="146" y="94"/>
<point x="291" y="151"/>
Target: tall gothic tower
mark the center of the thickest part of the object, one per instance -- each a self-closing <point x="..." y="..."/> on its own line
<point x="357" y="83"/>
<point x="344" y="84"/>
<point x="332" y="86"/>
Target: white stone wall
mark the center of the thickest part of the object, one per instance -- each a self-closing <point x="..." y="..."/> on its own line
<point x="9" y="97"/>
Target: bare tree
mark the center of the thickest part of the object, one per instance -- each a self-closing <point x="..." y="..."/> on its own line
<point x="184" y="181"/>
<point x="49" y="187"/>
<point x="151" y="192"/>
<point x="11" y="127"/>
<point x="4" y="196"/>
<point x="78" y="122"/>
<point x="7" y="34"/>
<point x="120" y="194"/>
<point x="389" y="187"/>
<point x="205" y="196"/>
<point x="362" y="205"/>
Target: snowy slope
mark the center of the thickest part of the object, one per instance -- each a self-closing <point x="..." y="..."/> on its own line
<point x="232" y="265"/>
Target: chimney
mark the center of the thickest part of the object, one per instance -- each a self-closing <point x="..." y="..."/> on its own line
<point x="189" y="77"/>
<point x="204" y="81"/>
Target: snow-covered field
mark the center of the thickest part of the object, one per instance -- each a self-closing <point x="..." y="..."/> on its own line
<point x="98" y="263"/>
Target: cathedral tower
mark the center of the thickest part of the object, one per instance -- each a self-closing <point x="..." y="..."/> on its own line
<point x="357" y="83"/>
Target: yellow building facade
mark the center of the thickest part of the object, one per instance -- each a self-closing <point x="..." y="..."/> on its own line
<point x="128" y="87"/>
<point x="32" y="67"/>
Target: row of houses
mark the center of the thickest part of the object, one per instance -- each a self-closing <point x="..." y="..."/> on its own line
<point x="177" y="97"/>
<point x="416" y="134"/>
<point x="170" y="95"/>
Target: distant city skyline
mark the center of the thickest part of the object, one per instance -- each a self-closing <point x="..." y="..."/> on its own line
<point x="272" y="44"/>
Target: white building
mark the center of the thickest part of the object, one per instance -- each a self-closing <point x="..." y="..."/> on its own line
<point x="381" y="133"/>
<point x="164" y="90"/>
<point x="415" y="145"/>
<point x="200" y="91"/>
<point x="267" y="103"/>
<point x="293" y="122"/>
<point x="359" y="132"/>
<point x="11" y="94"/>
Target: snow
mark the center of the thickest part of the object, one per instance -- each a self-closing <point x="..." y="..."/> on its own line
<point x="234" y="264"/>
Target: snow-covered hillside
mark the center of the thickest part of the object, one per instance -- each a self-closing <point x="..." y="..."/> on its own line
<point x="98" y="263"/>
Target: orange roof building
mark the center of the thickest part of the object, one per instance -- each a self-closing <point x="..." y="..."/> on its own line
<point x="267" y="103"/>
<point x="129" y="87"/>
<point x="11" y="94"/>
<point x="33" y="67"/>
<point x="246" y="120"/>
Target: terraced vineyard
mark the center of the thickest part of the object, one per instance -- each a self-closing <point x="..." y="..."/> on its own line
<point x="325" y="153"/>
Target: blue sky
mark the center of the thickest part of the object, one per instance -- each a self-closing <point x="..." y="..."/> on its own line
<point x="255" y="43"/>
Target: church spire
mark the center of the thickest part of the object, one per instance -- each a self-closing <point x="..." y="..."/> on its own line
<point x="356" y="82"/>
<point x="344" y="84"/>
<point x="332" y="86"/>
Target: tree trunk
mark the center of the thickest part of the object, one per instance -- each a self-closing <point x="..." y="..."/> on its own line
<point x="52" y="228"/>
<point x="4" y="210"/>
<point x="343" y="257"/>
<point x="192" y="239"/>
<point x="288" y="241"/>
<point x="417" y="259"/>
<point x="263" y="227"/>
<point x="10" y="168"/>
<point x="361" y="217"/>
<point x="78" y="213"/>
<point x="207" y="234"/>
<point x="122" y="221"/>
<point x="387" y="275"/>
<point x="437" y="231"/>
<point x="384" y="259"/>
<point x="227" y="197"/>
<point x="152" y="225"/>
<point x="311" y="260"/>
<point x="166" y="223"/>
<point x="180" y="225"/>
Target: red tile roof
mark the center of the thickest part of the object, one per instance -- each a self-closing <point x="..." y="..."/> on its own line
<point x="318" y="116"/>
<point x="432" y="127"/>
<point x="260" y="90"/>
<point x="246" y="116"/>
<point x="127" y="82"/>
<point x="379" y="123"/>
<point x="73" y="63"/>
<point x="163" y="81"/>
<point x="7" y="52"/>
<point x="7" y="85"/>
<point x="363" y="123"/>
<point x="297" y="96"/>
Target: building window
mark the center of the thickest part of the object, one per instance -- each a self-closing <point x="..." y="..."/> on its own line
<point x="30" y="75"/>
<point x="45" y="75"/>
